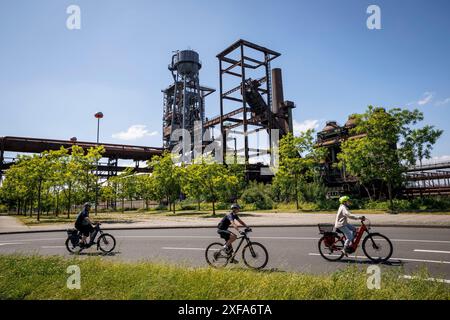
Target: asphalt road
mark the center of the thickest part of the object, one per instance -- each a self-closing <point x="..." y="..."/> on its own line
<point x="290" y="248"/>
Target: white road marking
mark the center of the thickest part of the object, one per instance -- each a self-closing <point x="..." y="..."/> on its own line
<point x="52" y="247"/>
<point x="428" y="279"/>
<point x="277" y="238"/>
<point x="215" y="237"/>
<point x="286" y="238"/>
<point x="8" y="243"/>
<point x="424" y="241"/>
<point x="431" y="251"/>
<point x="33" y="240"/>
<point x="401" y="259"/>
<point x="187" y="237"/>
<point x="172" y="248"/>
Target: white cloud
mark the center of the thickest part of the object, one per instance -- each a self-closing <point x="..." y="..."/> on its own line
<point x="305" y="125"/>
<point x="136" y="131"/>
<point x="427" y="97"/>
<point x="442" y="102"/>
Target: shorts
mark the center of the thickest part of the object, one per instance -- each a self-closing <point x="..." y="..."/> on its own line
<point x="85" y="230"/>
<point x="224" y="234"/>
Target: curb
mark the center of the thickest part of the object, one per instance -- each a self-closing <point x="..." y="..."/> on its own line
<point x="214" y="227"/>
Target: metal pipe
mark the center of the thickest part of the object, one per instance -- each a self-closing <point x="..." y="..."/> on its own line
<point x="222" y="131"/>
<point x="184" y="115"/>
<point x="277" y="90"/>
<point x="175" y="91"/>
<point x="244" y="105"/>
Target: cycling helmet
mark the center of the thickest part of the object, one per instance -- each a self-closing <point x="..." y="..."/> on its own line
<point x="87" y="204"/>
<point x="235" y="206"/>
<point x="344" y="199"/>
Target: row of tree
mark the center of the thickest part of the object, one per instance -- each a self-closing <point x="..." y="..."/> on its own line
<point x="204" y="180"/>
<point x="52" y="180"/>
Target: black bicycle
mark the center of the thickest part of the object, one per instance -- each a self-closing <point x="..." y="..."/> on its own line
<point x="105" y="242"/>
<point x="254" y="254"/>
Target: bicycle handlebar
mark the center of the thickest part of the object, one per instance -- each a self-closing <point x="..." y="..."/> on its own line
<point x="368" y="223"/>
<point x="246" y="230"/>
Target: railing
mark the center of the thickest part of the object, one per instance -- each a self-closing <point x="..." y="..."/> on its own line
<point x="430" y="166"/>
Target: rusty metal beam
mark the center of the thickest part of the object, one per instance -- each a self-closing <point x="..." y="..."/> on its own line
<point x="36" y="145"/>
<point x="249" y="44"/>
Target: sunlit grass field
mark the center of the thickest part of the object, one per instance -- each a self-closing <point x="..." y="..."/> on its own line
<point x="37" y="277"/>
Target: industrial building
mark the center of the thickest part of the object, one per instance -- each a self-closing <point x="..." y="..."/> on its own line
<point x="251" y="108"/>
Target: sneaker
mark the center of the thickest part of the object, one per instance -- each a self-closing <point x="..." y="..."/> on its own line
<point x="216" y="255"/>
<point x="344" y="252"/>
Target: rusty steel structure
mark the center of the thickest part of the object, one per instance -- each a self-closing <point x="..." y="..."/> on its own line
<point x="255" y="91"/>
<point x="251" y="102"/>
<point x="184" y="100"/>
<point x="113" y="152"/>
<point x="432" y="179"/>
<point x="251" y="97"/>
<point x="330" y="137"/>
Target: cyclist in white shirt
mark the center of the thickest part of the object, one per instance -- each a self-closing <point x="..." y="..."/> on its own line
<point x="342" y="224"/>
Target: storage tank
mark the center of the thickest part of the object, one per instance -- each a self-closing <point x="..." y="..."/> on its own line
<point x="186" y="62"/>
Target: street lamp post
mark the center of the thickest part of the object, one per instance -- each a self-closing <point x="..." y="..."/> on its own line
<point x="235" y="151"/>
<point x="98" y="116"/>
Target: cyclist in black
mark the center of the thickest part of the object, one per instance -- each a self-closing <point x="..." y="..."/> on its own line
<point x="224" y="224"/>
<point x="84" y="224"/>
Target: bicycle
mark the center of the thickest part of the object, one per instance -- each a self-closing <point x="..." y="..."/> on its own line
<point x="105" y="242"/>
<point x="376" y="247"/>
<point x="254" y="254"/>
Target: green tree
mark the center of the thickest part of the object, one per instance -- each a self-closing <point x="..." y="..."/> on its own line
<point x="146" y="188"/>
<point x="298" y="164"/>
<point x="419" y="143"/>
<point x="206" y="179"/>
<point x="191" y="179"/>
<point x="166" y="177"/>
<point x="385" y="146"/>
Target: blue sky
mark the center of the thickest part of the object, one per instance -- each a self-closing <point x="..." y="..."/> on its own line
<point x="53" y="80"/>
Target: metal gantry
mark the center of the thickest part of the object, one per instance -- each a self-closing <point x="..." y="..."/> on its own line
<point x="246" y="105"/>
<point x="184" y="101"/>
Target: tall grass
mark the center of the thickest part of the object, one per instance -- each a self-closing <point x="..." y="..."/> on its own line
<point x="37" y="277"/>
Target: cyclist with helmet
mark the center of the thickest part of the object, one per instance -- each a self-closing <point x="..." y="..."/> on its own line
<point x="84" y="224"/>
<point x="342" y="224"/>
<point x="227" y="221"/>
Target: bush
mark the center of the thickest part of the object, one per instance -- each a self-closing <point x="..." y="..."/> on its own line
<point x="257" y="195"/>
<point x="161" y="207"/>
<point x="313" y="192"/>
<point x="3" y="208"/>
<point x="416" y="204"/>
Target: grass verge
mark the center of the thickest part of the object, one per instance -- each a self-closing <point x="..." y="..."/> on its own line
<point x="37" y="277"/>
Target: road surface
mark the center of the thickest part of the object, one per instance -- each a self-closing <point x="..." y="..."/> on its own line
<point x="290" y="248"/>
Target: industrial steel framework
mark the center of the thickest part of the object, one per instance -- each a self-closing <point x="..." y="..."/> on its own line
<point x="432" y="179"/>
<point x="238" y="63"/>
<point x="113" y="152"/>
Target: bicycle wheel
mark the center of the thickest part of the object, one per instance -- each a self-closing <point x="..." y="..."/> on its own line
<point x="106" y="242"/>
<point x="255" y="255"/>
<point x="377" y="247"/>
<point x="70" y="247"/>
<point x="216" y="256"/>
<point x="330" y="247"/>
